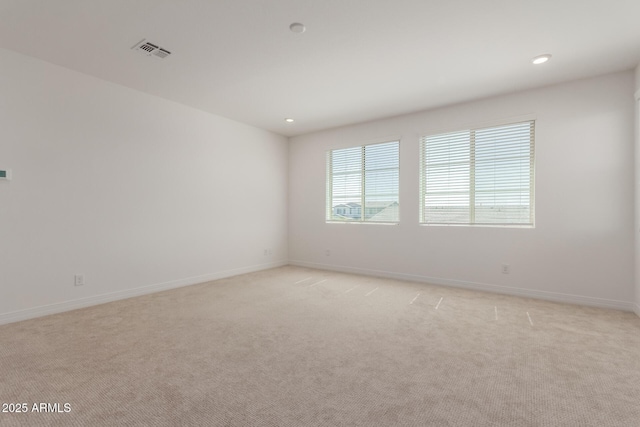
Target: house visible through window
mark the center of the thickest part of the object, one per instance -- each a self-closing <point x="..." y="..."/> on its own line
<point x="362" y="183"/>
<point x="478" y="176"/>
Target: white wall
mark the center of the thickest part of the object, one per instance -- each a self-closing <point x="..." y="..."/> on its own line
<point x="581" y="249"/>
<point x="131" y="190"/>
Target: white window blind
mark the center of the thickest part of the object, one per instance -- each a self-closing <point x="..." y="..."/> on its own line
<point x="362" y="183"/>
<point x="479" y="176"/>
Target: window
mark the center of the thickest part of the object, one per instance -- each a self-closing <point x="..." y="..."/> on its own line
<point x="362" y="183"/>
<point x="479" y="176"/>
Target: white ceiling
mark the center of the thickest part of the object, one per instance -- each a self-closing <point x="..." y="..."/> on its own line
<point x="358" y="60"/>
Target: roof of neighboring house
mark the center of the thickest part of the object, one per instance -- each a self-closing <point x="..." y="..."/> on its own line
<point x="347" y="205"/>
<point x="388" y="214"/>
<point x="367" y="205"/>
<point x="379" y="204"/>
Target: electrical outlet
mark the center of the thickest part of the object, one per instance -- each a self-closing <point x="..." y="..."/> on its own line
<point x="506" y="269"/>
<point x="327" y="252"/>
<point x="268" y="252"/>
<point x="78" y="280"/>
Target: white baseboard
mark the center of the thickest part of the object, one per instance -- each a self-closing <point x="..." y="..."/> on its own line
<point x="529" y="293"/>
<point x="46" y="310"/>
<point x="31" y="313"/>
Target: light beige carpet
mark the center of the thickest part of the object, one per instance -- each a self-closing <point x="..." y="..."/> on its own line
<point x="300" y="347"/>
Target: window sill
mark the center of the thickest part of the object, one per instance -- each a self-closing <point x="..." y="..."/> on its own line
<point x="362" y="222"/>
<point x="529" y="226"/>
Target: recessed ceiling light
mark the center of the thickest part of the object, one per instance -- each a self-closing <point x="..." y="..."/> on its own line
<point x="541" y="59"/>
<point x="297" y="27"/>
<point x="288" y="120"/>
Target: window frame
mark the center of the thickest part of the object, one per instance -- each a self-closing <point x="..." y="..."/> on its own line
<point x="472" y="165"/>
<point x="329" y="218"/>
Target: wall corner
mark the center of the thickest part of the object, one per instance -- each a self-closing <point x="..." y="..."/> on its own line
<point x="637" y="191"/>
<point x="637" y="80"/>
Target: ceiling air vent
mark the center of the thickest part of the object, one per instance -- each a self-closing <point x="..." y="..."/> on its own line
<point x="150" y="49"/>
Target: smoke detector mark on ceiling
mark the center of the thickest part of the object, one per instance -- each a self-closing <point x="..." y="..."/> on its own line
<point x="150" y="49"/>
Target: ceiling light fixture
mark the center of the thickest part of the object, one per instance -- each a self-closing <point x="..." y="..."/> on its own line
<point x="297" y="27"/>
<point x="541" y="59"/>
<point x="288" y="120"/>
